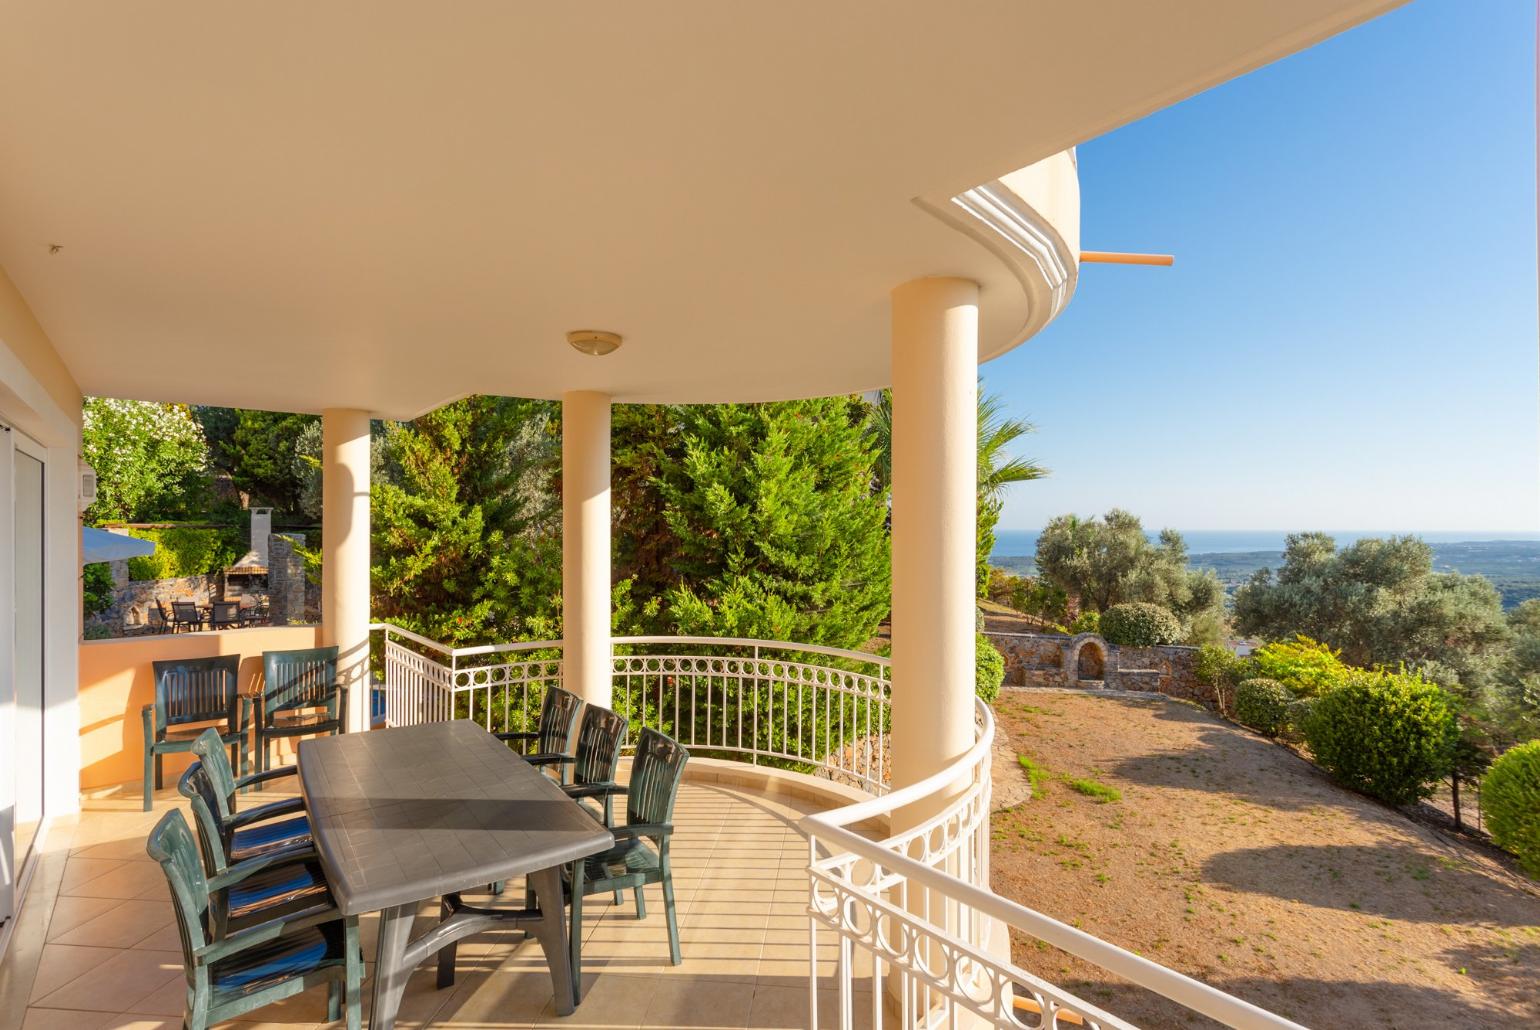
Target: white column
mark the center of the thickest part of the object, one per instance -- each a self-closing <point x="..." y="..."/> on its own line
<point x="585" y="553"/>
<point x="345" y="552"/>
<point x="935" y="471"/>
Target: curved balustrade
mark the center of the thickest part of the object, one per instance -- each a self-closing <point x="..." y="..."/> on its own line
<point x="918" y="901"/>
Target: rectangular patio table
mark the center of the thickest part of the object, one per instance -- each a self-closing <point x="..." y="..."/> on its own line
<point x="406" y="814"/>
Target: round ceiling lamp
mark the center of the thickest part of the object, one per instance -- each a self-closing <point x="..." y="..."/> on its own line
<point x="593" y="342"/>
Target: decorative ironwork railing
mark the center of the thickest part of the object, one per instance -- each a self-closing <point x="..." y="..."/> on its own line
<point x="917" y="901"/>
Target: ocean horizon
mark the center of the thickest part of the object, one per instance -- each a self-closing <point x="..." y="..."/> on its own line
<point x="1017" y="543"/>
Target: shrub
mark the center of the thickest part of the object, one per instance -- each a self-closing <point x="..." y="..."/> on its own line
<point x="1086" y="622"/>
<point x="1139" y="624"/>
<point x="1305" y="666"/>
<point x="1263" y="704"/>
<point x="1388" y="734"/>
<point x="95" y="588"/>
<point x="1295" y="715"/>
<point x="1510" y="801"/>
<point x="989" y="668"/>
<point x="185" y="551"/>
<point x="1217" y="666"/>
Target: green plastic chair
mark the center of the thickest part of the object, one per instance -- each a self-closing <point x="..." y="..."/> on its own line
<point x="239" y="834"/>
<point x="191" y="691"/>
<point x="232" y="969"/>
<point x="596" y="757"/>
<point x="558" y="718"/>
<point x="640" y="854"/>
<point x="296" y="686"/>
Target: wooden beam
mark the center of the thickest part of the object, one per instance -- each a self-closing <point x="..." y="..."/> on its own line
<point x="1112" y="257"/>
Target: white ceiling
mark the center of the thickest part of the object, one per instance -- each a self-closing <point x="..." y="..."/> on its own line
<point x="387" y="205"/>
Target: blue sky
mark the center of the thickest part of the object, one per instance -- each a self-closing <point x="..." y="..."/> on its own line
<point x="1348" y="338"/>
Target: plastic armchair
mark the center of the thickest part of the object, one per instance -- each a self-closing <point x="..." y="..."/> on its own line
<point x="189" y="693"/>
<point x="234" y="969"/>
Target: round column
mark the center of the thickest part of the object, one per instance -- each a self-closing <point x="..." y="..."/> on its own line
<point x="345" y="552"/>
<point x="585" y="555"/>
<point x="935" y="485"/>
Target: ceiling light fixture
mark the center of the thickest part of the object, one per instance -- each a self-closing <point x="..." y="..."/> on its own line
<point x="593" y="342"/>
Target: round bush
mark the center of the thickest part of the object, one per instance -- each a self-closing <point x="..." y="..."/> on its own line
<point x="1263" y="705"/>
<point x="1390" y="735"/>
<point x="1510" y="803"/>
<point x="989" y="668"/>
<point x="1139" y="625"/>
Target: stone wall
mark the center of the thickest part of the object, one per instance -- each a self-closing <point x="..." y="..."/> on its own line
<point x="294" y="600"/>
<point x="1086" y="660"/>
<point x="134" y="601"/>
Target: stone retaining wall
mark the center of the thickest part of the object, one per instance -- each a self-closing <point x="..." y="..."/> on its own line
<point x="1086" y="660"/>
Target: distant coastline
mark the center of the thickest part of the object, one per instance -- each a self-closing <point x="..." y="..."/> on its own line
<point x="1510" y="560"/>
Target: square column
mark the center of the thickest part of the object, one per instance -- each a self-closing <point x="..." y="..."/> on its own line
<point x="585" y="545"/>
<point x="345" y="553"/>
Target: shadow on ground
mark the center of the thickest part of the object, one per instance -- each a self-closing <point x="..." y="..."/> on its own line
<point x="1390" y="880"/>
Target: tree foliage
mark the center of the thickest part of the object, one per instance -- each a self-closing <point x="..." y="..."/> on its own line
<point x="777" y="529"/>
<point x="1139" y="624"/>
<point x="1307" y="667"/>
<point x="151" y="460"/>
<point x="1510" y="799"/>
<point x="1378" y="602"/>
<point x="465" y="542"/>
<point x="1109" y="561"/>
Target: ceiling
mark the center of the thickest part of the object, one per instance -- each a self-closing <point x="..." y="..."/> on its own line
<point x="389" y="204"/>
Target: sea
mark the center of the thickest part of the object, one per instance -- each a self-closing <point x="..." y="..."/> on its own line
<point x="1018" y="543"/>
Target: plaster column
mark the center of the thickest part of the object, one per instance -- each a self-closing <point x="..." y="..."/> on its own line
<point x="345" y="552"/>
<point x="935" y="473"/>
<point x="585" y="551"/>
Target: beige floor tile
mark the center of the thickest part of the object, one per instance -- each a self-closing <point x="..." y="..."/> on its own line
<point x="65" y="1019"/>
<point x="140" y="1021"/>
<point x="118" y="984"/>
<point x="502" y="999"/>
<point x="126" y="880"/>
<point x="122" y="926"/>
<point x="62" y="963"/>
<point x="608" y="1001"/>
<point x="79" y="871"/>
<point x="699" y="1003"/>
<point x="70" y="912"/>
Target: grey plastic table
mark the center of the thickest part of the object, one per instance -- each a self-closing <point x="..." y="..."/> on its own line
<point x="406" y="814"/>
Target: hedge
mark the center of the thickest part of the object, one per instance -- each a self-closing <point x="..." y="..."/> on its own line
<point x="1139" y="624"/>
<point x="989" y="668"/>
<point x="1390" y="735"/>
<point x="1510" y="804"/>
<point x="185" y="551"/>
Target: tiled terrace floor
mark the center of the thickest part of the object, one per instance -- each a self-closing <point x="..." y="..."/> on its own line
<point x="95" y="946"/>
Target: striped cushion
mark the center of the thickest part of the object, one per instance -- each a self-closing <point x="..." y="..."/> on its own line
<point x="279" y="959"/>
<point x="280" y="885"/>
<point x="250" y="841"/>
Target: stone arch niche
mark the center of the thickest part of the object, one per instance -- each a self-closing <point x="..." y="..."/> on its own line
<point x="1086" y="660"/>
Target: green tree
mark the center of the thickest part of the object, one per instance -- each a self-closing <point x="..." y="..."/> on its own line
<point x="1109" y="561"/>
<point x="1380" y="603"/>
<point x="257" y="450"/>
<point x="779" y="531"/>
<point x="151" y="460"/>
<point x="466" y="531"/>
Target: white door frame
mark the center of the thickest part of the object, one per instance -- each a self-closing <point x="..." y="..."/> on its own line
<point x="14" y="870"/>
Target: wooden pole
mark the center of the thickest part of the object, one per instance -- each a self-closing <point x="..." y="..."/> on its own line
<point x="1111" y="257"/>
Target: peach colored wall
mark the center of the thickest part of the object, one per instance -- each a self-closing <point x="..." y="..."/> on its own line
<point x="21" y="332"/>
<point x="116" y="683"/>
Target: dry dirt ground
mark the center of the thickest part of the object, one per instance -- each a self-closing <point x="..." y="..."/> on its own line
<point x="1234" y="861"/>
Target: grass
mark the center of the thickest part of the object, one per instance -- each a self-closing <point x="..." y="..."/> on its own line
<point x="1040" y="775"/>
<point x="1096" y="790"/>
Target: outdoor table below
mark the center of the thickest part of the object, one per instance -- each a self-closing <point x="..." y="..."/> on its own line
<point x="407" y="814"/>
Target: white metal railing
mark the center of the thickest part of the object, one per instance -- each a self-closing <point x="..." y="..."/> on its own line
<point x="824" y="709"/>
<point x="917" y="902"/>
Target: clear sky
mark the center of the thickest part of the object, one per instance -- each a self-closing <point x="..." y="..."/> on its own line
<point x="1348" y="339"/>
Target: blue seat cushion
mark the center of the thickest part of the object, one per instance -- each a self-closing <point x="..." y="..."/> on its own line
<point x="284" y="885"/>
<point x="282" y="958"/>
<point x="260" y="838"/>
